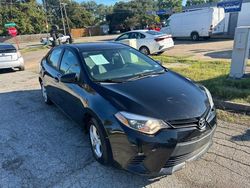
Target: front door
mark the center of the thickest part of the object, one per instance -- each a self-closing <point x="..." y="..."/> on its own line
<point x="70" y="94"/>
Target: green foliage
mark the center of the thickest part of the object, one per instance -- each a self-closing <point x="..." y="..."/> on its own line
<point x="197" y="2"/>
<point x="212" y="74"/>
<point x="175" y="5"/>
<point x="133" y="14"/>
<point x="28" y="15"/>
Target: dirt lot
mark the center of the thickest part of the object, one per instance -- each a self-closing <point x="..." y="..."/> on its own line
<point x="204" y="49"/>
<point x="40" y="147"/>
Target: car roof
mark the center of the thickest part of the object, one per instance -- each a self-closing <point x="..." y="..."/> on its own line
<point x="7" y="46"/>
<point x="91" y="46"/>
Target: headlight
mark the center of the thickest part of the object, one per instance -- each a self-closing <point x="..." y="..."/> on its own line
<point x="211" y="102"/>
<point x="141" y="123"/>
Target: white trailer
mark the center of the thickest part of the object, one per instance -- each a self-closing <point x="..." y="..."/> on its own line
<point x="196" y="23"/>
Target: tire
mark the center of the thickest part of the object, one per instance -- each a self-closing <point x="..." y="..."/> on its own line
<point x="144" y="50"/>
<point x="22" y="68"/>
<point x="195" y="36"/>
<point x="97" y="137"/>
<point x="45" y="95"/>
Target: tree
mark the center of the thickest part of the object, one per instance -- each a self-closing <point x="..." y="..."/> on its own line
<point x="28" y="15"/>
<point x="174" y="5"/>
<point x="195" y="2"/>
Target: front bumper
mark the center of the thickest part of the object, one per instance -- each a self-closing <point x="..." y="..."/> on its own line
<point x="163" y="153"/>
<point x="12" y="64"/>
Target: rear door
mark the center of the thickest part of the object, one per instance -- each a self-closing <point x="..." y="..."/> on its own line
<point x="51" y="73"/>
<point x="141" y="39"/>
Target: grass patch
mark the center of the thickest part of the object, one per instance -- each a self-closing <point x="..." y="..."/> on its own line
<point x="37" y="48"/>
<point x="212" y="74"/>
<point x="233" y="117"/>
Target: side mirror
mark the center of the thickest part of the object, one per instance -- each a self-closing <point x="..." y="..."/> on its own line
<point x="69" y="78"/>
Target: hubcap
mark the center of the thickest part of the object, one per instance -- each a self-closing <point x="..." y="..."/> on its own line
<point x="144" y="51"/>
<point x="95" y="141"/>
<point x="44" y="92"/>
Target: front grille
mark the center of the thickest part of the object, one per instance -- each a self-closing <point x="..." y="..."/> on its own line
<point x="192" y="122"/>
<point x="137" y="159"/>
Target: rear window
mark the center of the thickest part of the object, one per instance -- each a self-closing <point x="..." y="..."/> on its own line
<point x="152" y="32"/>
<point x="7" y="49"/>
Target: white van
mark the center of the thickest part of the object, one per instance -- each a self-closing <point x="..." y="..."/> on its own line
<point x="196" y="23"/>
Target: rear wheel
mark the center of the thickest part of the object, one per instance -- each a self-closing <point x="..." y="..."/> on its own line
<point x="144" y="50"/>
<point x="45" y="95"/>
<point x="99" y="144"/>
<point x="195" y="36"/>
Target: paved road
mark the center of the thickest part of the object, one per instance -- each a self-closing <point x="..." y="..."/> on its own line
<point x="40" y="147"/>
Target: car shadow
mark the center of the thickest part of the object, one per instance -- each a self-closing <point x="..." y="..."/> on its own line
<point x="4" y="71"/>
<point x="41" y="146"/>
<point x="227" y="54"/>
<point x="243" y="137"/>
<point x="181" y="41"/>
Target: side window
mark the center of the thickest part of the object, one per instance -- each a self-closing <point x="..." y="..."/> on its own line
<point x="123" y="37"/>
<point x="141" y="36"/>
<point x="137" y="35"/>
<point x="54" y="57"/>
<point x="69" y="63"/>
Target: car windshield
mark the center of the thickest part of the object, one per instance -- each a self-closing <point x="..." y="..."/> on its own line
<point x="119" y="64"/>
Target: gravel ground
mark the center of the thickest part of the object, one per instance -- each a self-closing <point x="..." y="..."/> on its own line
<point x="41" y="147"/>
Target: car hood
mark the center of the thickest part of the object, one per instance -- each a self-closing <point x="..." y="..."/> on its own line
<point x="168" y="96"/>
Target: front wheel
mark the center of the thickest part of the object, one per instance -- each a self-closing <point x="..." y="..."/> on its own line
<point x="99" y="144"/>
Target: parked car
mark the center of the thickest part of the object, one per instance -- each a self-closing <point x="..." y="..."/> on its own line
<point x="62" y="39"/>
<point x="148" y="41"/>
<point x="196" y="23"/>
<point x="10" y="57"/>
<point x="139" y="115"/>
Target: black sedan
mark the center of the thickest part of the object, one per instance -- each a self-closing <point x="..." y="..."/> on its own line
<point x="139" y="115"/>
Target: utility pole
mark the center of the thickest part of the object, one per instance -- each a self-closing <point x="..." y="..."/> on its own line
<point x="64" y="29"/>
<point x="66" y="15"/>
<point x="46" y="18"/>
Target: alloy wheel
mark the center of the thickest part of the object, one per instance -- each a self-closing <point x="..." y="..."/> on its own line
<point x="95" y="141"/>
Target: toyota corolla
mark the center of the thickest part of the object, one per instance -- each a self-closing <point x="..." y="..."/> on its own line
<point x="139" y="115"/>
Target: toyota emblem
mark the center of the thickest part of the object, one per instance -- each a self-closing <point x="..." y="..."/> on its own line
<point x="201" y="123"/>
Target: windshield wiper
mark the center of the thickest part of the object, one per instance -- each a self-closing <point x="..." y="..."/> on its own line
<point x="146" y="74"/>
<point x="110" y="81"/>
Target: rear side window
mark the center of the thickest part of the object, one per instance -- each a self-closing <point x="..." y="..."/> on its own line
<point x="54" y="57"/>
<point x="69" y="63"/>
<point x="137" y="36"/>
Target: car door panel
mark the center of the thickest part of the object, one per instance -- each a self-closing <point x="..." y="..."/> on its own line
<point x="70" y="100"/>
<point x="51" y="76"/>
